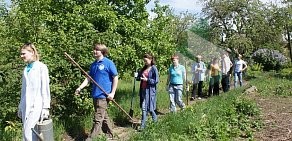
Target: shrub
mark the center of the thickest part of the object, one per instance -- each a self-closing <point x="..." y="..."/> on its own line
<point x="270" y="59"/>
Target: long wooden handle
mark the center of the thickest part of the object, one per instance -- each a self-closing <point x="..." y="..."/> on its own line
<point x="88" y="76"/>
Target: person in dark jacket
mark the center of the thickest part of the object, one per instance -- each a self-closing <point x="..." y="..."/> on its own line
<point x="149" y="78"/>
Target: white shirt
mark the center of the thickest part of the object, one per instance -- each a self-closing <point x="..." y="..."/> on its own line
<point x="198" y="75"/>
<point x="225" y="65"/>
<point x="239" y="65"/>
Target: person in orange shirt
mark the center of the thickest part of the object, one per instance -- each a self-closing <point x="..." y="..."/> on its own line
<point x="215" y="76"/>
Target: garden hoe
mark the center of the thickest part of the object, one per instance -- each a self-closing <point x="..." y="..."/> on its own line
<point x="131" y="113"/>
<point x="134" y="122"/>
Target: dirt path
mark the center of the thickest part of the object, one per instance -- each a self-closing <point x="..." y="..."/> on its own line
<point x="276" y="113"/>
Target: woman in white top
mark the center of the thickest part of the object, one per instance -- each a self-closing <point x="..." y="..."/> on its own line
<point x="240" y="66"/>
<point x="198" y="70"/>
<point x="35" y="91"/>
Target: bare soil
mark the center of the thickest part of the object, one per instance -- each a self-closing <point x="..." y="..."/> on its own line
<point x="276" y="113"/>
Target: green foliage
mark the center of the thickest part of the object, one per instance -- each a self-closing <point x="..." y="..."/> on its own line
<point x="220" y="118"/>
<point x="270" y="59"/>
<point x="244" y="26"/>
<point x="256" y="67"/>
<point x="273" y="83"/>
<point x="71" y="26"/>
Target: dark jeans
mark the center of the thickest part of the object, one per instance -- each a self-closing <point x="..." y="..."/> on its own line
<point x="225" y="82"/>
<point x="101" y="120"/>
<point x="199" y="87"/>
<point x="214" y="85"/>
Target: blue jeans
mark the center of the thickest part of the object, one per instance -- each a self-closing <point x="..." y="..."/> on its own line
<point x="144" y="115"/>
<point x="175" y="97"/>
<point x="237" y="77"/>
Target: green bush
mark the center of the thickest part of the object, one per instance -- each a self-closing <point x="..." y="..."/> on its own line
<point x="220" y="118"/>
<point x="270" y="59"/>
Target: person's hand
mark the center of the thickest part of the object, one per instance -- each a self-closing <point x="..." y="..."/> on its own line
<point x="77" y="91"/>
<point x="19" y="113"/>
<point x="167" y="87"/>
<point x="144" y="78"/>
<point x="110" y="96"/>
<point x="45" y="114"/>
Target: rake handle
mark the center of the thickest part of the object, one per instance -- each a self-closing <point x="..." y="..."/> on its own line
<point x="88" y="76"/>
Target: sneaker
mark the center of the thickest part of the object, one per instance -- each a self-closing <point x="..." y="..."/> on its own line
<point x="192" y="98"/>
<point x="199" y="98"/>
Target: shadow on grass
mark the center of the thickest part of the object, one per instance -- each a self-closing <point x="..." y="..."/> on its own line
<point x="74" y="128"/>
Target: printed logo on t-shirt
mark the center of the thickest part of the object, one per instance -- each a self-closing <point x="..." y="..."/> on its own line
<point x="101" y="67"/>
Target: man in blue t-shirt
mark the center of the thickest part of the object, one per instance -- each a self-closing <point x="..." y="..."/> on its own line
<point x="104" y="72"/>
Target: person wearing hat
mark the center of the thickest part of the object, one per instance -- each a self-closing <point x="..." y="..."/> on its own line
<point x="175" y="80"/>
<point x="198" y="70"/>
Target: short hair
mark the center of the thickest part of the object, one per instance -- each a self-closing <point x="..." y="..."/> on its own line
<point x="31" y="48"/>
<point x="104" y="50"/>
<point x="199" y="56"/>
<point x="174" y="57"/>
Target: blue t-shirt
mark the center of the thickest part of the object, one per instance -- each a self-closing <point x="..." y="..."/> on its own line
<point x="177" y="74"/>
<point x="102" y="72"/>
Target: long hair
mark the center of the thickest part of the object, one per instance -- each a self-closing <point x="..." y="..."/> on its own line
<point x="148" y="56"/>
<point x="31" y="48"/>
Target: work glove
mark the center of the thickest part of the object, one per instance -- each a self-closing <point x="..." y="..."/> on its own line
<point x="136" y="74"/>
<point x="45" y="114"/>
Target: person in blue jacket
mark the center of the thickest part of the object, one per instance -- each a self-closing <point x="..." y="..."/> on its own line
<point x="149" y="78"/>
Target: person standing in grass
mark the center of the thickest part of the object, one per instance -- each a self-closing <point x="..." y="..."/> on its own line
<point x="149" y="78"/>
<point x="104" y="72"/>
<point x="175" y="81"/>
<point x="35" y="92"/>
<point x="198" y="70"/>
<point x="215" y="77"/>
<point x="226" y="64"/>
<point x="240" y="66"/>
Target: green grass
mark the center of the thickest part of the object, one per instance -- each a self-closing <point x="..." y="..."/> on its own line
<point x="273" y="83"/>
<point x="219" y="118"/>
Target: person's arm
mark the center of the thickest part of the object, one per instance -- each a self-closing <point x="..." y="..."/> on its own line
<point x="83" y="84"/>
<point x="45" y="92"/>
<point x="167" y="81"/>
<point x="45" y="87"/>
<point x="154" y="77"/>
<point x="114" y="87"/>
<point x="245" y="66"/>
